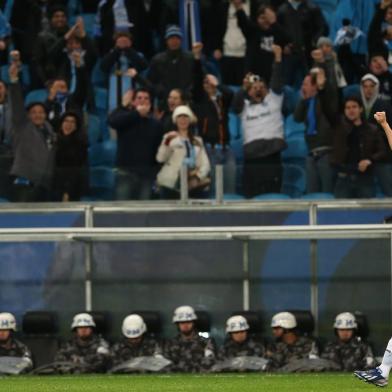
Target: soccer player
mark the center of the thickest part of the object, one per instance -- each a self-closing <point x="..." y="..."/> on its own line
<point x="379" y="375"/>
<point x="381" y="118"/>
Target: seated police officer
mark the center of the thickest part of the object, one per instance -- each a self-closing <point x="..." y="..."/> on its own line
<point x="290" y="346"/>
<point x="135" y="343"/>
<point x="348" y="350"/>
<point x="11" y="347"/>
<point x="188" y="351"/>
<point x="86" y="350"/>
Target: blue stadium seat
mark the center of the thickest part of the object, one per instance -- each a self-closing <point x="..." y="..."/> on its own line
<point x="93" y="129"/>
<point x="351" y="90"/>
<point x="25" y="78"/>
<point x="101" y="98"/>
<point x="318" y="196"/>
<point x="272" y="196"/>
<point x="39" y="95"/>
<point x="294" y="180"/>
<point x="291" y="97"/>
<point x="102" y="183"/>
<point x="326" y="5"/>
<point x="103" y="154"/>
<point x="296" y="148"/>
<point x="98" y="77"/>
<point x="233" y="196"/>
<point x="89" y="22"/>
<point x="293" y="129"/>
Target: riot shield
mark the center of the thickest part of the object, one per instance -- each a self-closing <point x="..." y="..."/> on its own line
<point x="62" y="367"/>
<point x="14" y="365"/>
<point x="310" y="365"/>
<point x="241" y="364"/>
<point x="144" y="364"/>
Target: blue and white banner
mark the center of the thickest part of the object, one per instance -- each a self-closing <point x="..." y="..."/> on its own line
<point x="190" y="22"/>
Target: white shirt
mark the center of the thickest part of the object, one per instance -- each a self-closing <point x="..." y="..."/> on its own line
<point x="263" y="120"/>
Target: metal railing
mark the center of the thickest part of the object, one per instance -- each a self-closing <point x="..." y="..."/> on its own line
<point x="312" y="232"/>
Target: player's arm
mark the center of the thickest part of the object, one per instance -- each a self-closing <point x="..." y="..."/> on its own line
<point x="381" y="118"/>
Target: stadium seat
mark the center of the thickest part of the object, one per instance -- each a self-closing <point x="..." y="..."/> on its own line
<point x="101" y="98"/>
<point x="103" y="322"/>
<point x="363" y="325"/>
<point x="89" y="22"/>
<point x="203" y="322"/>
<point x="93" y="129"/>
<point x="326" y="5"/>
<point x="25" y="74"/>
<point x="294" y="180"/>
<point x="98" y="78"/>
<point x="271" y="196"/>
<point x="351" y="90"/>
<point x="318" y="196"/>
<point x="39" y="95"/>
<point x="102" y="182"/>
<point x="153" y="321"/>
<point x="291" y="97"/>
<point x="233" y="196"/>
<point x="293" y="129"/>
<point x="296" y="148"/>
<point x="102" y="154"/>
<point x="40" y="335"/>
<point x="305" y="321"/>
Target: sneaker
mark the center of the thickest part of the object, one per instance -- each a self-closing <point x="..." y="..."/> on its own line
<point x="372" y="376"/>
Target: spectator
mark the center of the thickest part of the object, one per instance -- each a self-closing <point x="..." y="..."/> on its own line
<point x="43" y="67"/>
<point x="188" y="351"/>
<point x="70" y="178"/>
<point x="292" y="347"/>
<point x="373" y="103"/>
<point x="325" y="57"/>
<point x="87" y="351"/>
<point x="139" y="17"/>
<point x="139" y="135"/>
<point x="5" y="36"/>
<point x="6" y="153"/>
<point x="211" y="102"/>
<point x="180" y="147"/>
<point x="230" y="46"/>
<point x="259" y="40"/>
<point x="348" y="350"/>
<point x="28" y="19"/>
<point x="380" y="30"/>
<point x="33" y="145"/>
<point x="378" y="67"/>
<point x="381" y="119"/>
<point x="116" y="64"/>
<point x="304" y="23"/>
<point x="172" y="68"/>
<point x="135" y="343"/>
<point x="318" y="108"/>
<point x="175" y="98"/>
<point x="260" y="109"/>
<point x="351" y="63"/>
<point x="357" y="145"/>
<point x="63" y="52"/>
<point x="11" y="347"/>
<point x="61" y="99"/>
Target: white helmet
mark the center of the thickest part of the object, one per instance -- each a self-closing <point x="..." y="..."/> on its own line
<point x="7" y="321"/>
<point x="345" y="320"/>
<point x="284" y="320"/>
<point x="82" y="320"/>
<point x="184" y="314"/>
<point x="236" y="324"/>
<point x="133" y="326"/>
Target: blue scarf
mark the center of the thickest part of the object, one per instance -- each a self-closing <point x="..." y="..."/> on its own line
<point x="311" y="117"/>
<point x="190" y="158"/>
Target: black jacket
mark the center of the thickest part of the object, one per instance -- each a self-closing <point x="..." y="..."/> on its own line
<point x="212" y="123"/>
<point x="259" y="55"/>
<point x="138" y="139"/>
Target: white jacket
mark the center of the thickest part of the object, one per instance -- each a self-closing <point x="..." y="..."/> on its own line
<point x="172" y="156"/>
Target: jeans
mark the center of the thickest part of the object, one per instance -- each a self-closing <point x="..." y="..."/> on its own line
<point x="132" y="185"/>
<point x="225" y="157"/>
<point x="359" y="186"/>
<point x="383" y="174"/>
<point x="319" y="174"/>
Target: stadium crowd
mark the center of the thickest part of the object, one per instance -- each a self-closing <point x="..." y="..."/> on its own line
<point x="288" y="350"/>
<point x="108" y="96"/>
